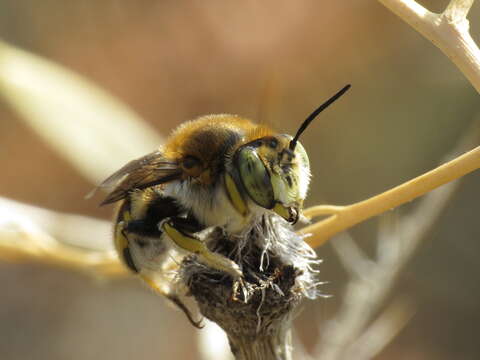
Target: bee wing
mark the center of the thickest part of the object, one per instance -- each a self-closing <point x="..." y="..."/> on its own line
<point x="149" y="170"/>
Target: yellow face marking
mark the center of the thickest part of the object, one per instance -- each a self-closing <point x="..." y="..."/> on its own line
<point x="282" y="211"/>
<point x="234" y="196"/>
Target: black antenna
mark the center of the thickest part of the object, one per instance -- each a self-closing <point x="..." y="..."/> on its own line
<point x="313" y="115"/>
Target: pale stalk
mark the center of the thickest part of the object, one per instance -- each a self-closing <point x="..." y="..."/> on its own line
<point x="351" y="332"/>
<point x="32" y="234"/>
<point x="348" y="216"/>
<point x="40" y="247"/>
<point x="449" y="31"/>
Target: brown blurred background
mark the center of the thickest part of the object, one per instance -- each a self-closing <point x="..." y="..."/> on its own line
<point x="275" y="60"/>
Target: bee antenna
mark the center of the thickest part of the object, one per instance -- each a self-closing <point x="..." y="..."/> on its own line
<point x="314" y="114"/>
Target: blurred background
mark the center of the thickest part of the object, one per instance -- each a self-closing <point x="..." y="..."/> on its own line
<point x="274" y="61"/>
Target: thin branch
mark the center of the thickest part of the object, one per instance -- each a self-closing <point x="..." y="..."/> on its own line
<point x="448" y="31"/>
<point x="42" y="248"/>
<point x="382" y="331"/>
<point x="29" y="233"/>
<point x="364" y="295"/>
<point x="320" y="210"/>
<point x="351" y="215"/>
<point x="353" y="259"/>
<point x="457" y="10"/>
<point x="84" y="124"/>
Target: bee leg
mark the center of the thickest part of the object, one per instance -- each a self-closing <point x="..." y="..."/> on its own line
<point x="194" y="245"/>
<point x="121" y="240"/>
<point x="174" y="299"/>
<point x="240" y="286"/>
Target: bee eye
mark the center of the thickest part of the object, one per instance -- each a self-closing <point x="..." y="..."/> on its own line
<point x="190" y="162"/>
<point x="254" y="177"/>
<point x="273" y="143"/>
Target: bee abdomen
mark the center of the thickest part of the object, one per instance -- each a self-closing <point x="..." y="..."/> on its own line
<point x="127" y="258"/>
<point x="143" y="227"/>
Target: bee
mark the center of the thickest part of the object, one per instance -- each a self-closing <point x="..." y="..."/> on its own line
<point x="218" y="171"/>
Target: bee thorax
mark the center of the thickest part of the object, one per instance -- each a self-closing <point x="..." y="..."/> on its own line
<point x="209" y="205"/>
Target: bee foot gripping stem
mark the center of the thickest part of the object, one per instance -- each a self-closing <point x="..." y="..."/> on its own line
<point x="194" y="245"/>
<point x="240" y="286"/>
<point x="174" y="299"/>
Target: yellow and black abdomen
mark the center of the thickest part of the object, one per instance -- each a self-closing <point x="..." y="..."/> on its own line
<point x="137" y="237"/>
<point x="120" y="238"/>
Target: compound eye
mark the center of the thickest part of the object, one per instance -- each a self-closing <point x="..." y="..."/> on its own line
<point x="255" y="177"/>
<point x="273" y="143"/>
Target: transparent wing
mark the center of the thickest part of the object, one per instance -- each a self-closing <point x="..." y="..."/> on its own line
<point x="149" y="170"/>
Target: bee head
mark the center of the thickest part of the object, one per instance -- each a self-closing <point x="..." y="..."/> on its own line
<point x="274" y="171"/>
<point x="272" y="175"/>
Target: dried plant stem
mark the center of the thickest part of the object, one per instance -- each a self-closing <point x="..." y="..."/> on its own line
<point x="40" y="247"/>
<point x="352" y="334"/>
<point x="30" y="233"/>
<point x="44" y="94"/>
<point x="449" y="31"/>
<point x="382" y="331"/>
<point x="258" y="317"/>
<point x="342" y="338"/>
<point x="345" y="217"/>
<point x="32" y="245"/>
